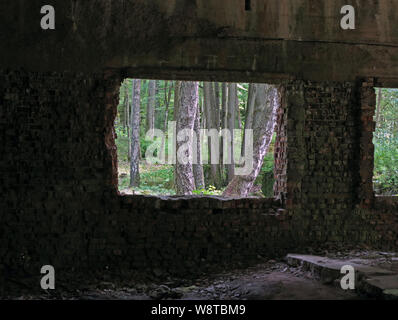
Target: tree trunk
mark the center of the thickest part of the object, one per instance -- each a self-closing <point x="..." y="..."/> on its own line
<point x="185" y="121"/>
<point x="378" y="108"/>
<point x="198" y="167"/>
<point x="176" y="113"/>
<point x="167" y="98"/>
<point x="223" y="125"/>
<point x="224" y="106"/>
<point x="127" y="115"/>
<point x="217" y="105"/>
<point x="249" y="115"/>
<point x="135" y="135"/>
<point x="267" y="100"/>
<point x="238" y="117"/>
<point x="229" y="148"/>
<point x="203" y="110"/>
<point x="157" y="120"/>
<point x="213" y="122"/>
<point x="150" y="115"/>
<point x="123" y="113"/>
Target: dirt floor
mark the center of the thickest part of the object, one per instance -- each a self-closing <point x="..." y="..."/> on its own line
<point x="271" y="280"/>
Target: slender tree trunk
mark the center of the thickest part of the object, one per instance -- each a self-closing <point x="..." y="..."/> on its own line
<point x="378" y="109"/>
<point x="238" y="117"/>
<point x="213" y="121"/>
<point x="123" y="114"/>
<point x="266" y="103"/>
<point x="176" y="113"/>
<point x="203" y="110"/>
<point x="249" y="114"/>
<point x="167" y="98"/>
<point x="198" y="167"/>
<point x="135" y="135"/>
<point x="150" y="115"/>
<point x="127" y="115"/>
<point x="185" y="121"/>
<point x="223" y="124"/>
<point x="218" y="168"/>
<point x="156" y="114"/>
<point x="207" y="99"/>
<point x="232" y="94"/>
<point x="217" y="105"/>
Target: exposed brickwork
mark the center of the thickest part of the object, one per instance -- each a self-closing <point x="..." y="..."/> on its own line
<point x="182" y="235"/>
<point x="321" y="134"/>
<point x="56" y="171"/>
<point x="325" y="157"/>
<point x="280" y="169"/>
<point x="367" y="108"/>
<point x="60" y="204"/>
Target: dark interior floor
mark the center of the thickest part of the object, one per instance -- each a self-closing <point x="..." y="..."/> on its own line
<point x="296" y="277"/>
<point x="272" y="280"/>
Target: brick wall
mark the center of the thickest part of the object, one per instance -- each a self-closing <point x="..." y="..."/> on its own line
<point x="56" y="170"/>
<point x="324" y="163"/>
<point x="60" y="206"/>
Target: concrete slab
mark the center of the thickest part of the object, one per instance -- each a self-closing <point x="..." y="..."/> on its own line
<point x="371" y="280"/>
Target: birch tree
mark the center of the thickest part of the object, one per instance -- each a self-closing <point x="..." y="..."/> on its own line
<point x="187" y="110"/>
<point x="267" y="100"/>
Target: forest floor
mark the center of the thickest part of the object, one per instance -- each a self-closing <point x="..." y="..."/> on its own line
<point x="154" y="179"/>
<point x="158" y="180"/>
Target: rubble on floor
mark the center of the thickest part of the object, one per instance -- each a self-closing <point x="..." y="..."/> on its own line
<point x="297" y="277"/>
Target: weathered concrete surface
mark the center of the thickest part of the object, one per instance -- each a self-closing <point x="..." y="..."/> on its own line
<point x="372" y="280"/>
<point x="216" y="39"/>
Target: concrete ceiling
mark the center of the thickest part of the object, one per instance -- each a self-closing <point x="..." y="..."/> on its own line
<point x="217" y="39"/>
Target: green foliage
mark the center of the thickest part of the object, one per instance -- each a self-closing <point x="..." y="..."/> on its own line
<point x="386" y="144"/>
<point x="144" y="144"/>
<point x="210" y="191"/>
<point x="124" y="182"/>
<point x="269" y="161"/>
<point x="158" y="176"/>
<point x="155" y="180"/>
<point x="122" y="143"/>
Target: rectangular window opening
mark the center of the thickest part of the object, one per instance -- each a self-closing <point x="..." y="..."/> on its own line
<point x="152" y="115"/>
<point x="385" y="178"/>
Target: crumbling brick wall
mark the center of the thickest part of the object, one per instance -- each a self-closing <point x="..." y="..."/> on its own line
<point x="56" y="171"/>
<point x="325" y="158"/>
<point x="60" y="205"/>
<point x="367" y="125"/>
